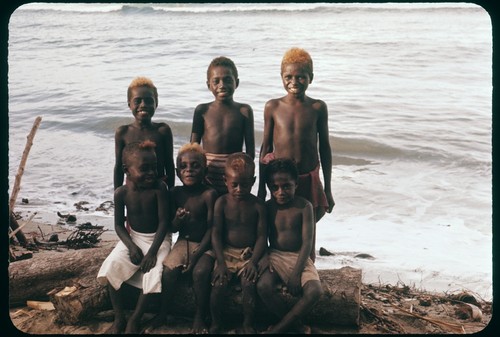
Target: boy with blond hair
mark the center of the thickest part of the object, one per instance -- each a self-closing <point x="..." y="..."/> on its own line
<point x="142" y="99"/>
<point x="296" y="126"/>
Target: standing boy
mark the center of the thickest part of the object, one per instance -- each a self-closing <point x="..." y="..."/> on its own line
<point x="291" y="225"/>
<point x="222" y="126"/>
<point x="294" y="125"/>
<point x="142" y="98"/>
<point x="194" y="202"/>
<point x="137" y="257"/>
<point x="238" y="239"/>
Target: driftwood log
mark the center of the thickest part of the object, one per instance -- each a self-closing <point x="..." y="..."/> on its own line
<point x="70" y="283"/>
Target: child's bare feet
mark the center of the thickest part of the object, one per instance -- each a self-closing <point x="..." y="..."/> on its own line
<point x="199" y="327"/>
<point x="156" y="322"/>
<point x="132" y="327"/>
<point x="215" y="329"/>
<point x="246" y="330"/>
<point x="118" y="327"/>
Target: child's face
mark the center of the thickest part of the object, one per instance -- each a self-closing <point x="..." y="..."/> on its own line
<point x="142" y="103"/>
<point x="239" y="184"/>
<point x="142" y="169"/>
<point x="282" y="187"/>
<point x="222" y="82"/>
<point x="296" y="79"/>
<point x="191" y="169"/>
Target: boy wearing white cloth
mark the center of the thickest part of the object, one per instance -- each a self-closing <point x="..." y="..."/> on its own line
<point x="137" y="258"/>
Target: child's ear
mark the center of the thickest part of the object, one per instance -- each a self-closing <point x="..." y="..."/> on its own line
<point x="237" y="82"/>
<point x="208" y="85"/>
<point x="311" y="78"/>
<point x="125" y="169"/>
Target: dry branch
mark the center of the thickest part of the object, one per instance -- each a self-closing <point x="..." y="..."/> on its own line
<point x="22" y="164"/>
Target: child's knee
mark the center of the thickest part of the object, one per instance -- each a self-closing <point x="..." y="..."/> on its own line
<point x="313" y="290"/>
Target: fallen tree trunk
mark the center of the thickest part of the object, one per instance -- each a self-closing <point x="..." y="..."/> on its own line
<point x="70" y="283"/>
<point x="32" y="279"/>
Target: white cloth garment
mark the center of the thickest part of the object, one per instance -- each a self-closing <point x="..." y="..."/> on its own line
<point x="117" y="267"/>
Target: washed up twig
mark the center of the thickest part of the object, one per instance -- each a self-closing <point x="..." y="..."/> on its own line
<point x="21" y="226"/>
<point x="457" y="328"/>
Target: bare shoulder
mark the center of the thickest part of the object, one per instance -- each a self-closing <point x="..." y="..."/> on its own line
<point x="273" y="103"/>
<point x="245" y="109"/>
<point x="318" y="104"/>
<point x="162" y="127"/>
<point x="302" y="203"/>
<point x="210" y="192"/>
<point x="121" y="130"/>
<point x="120" y="192"/>
<point x="202" y="108"/>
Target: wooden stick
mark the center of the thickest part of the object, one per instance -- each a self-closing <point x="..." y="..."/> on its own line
<point x="22" y="164"/>
<point x="24" y="224"/>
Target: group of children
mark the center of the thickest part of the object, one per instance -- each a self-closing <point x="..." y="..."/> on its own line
<point x="225" y="232"/>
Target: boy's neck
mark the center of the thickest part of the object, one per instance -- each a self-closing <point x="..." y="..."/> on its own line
<point x="143" y="124"/>
<point x="227" y="101"/>
<point x="193" y="188"/>
<point x="295" y="97"/>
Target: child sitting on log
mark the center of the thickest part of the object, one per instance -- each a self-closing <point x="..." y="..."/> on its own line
<point x="194" y="202"/>
<point x="238" y="240"/>
<point x="137" y="257"/>
<point x="291" y="230"/>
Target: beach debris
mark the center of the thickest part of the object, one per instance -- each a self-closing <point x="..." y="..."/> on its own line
<point x="364" y="256"/>
<point x="466" y="298"/>
<point x="469" y="311"/>
<point x="105" y="206"/>
<point x="40" y="305"/>
<point x="425" y="301"/>
<point x="84" y="236"/>
<point x="25" y="201"/>
<point x="79" y="205"/>
<point x="69" y="218"/>
<point x="324" y="252"/>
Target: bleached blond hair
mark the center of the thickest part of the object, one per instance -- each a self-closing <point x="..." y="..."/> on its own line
<point x="132" y="148"/>
<point x="191" y="147"/>
<point x="297" y="56"/>
<point x="141" y="81"/>
<point x="240" y="162"/>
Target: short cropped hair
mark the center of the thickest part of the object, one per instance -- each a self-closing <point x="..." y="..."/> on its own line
<point x="191" y="147"/>
<point x="297" y="56"/>
<point x="284" y="165"/>
<point x="141" y="81"/>
<point x="135" y="147"/>
<point x="240" y="162"/>
<point x="223" y="62"/>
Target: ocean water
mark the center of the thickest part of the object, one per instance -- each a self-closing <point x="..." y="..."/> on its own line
<point x="408" y="87"/>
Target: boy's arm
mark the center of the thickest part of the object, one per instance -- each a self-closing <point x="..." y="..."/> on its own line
<point x="198" y="124"/>
<point x="267" y="147"/>
<point x="261" y="242"/>
<point x="305" y="249"/>
<point x="122" y="233"/>
<point x="169" y="157"/>
<point x="220" y="273"/>
<point x="118" y="169"/>
<point x="149" y="260"/>
<point x="211" y="197"/>
<point x="249" y="132"/>
<point x="325" y="153"/>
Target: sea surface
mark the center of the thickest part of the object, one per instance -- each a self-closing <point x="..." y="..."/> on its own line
<point x="408" y="88"/>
